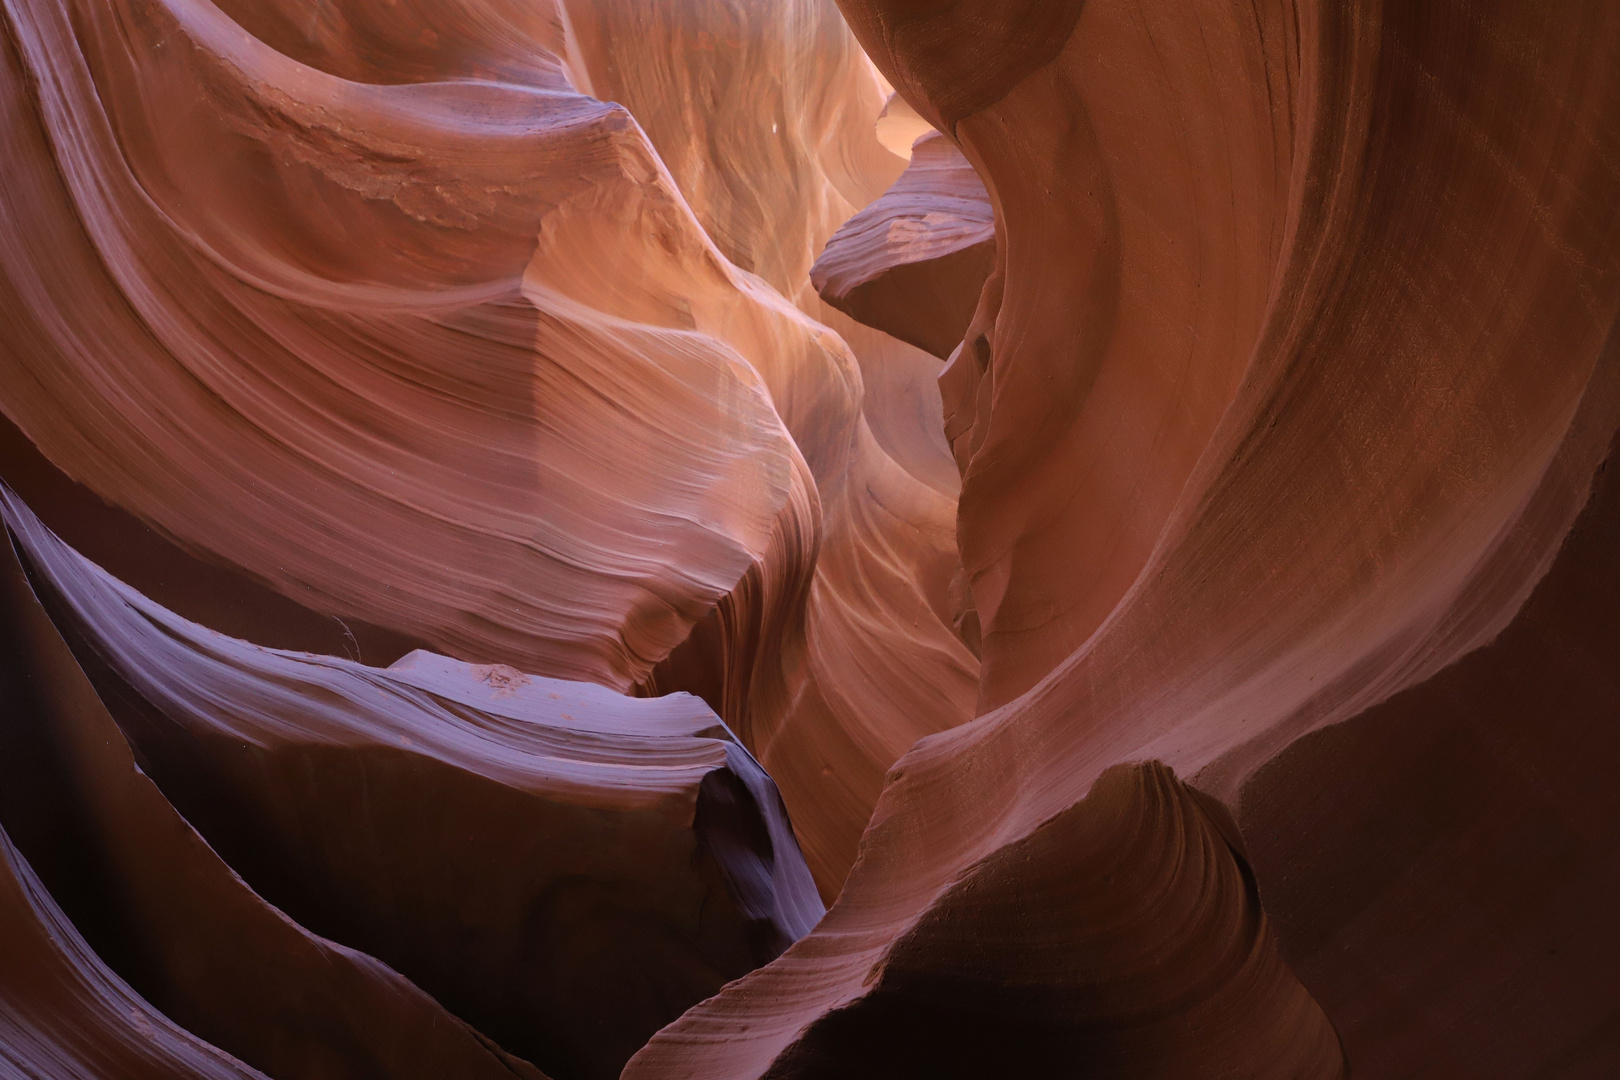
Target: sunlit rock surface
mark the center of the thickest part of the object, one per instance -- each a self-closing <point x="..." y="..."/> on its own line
<point x="914" y="262"/>
<point x="1282" y="396"/>
<point x="765" y="115"/>
<point x="1109" y="497"/>
<point x="387" y="314"/>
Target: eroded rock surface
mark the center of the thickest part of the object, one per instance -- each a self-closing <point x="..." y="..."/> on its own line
<point x="383" y="310"/>
<point x="914" y="262"/>
<point x="66" y="1016"/>
<point x="167" y="918"/>
<point x="1204" y="673"/>
<point x="1236" y="465"/>
<point x="561" y="866"/>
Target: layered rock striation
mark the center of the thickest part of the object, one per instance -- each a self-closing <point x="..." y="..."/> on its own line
<point x="385" y="312"/>
<point x="1283" y="393"/>
<point x="536" y="499"/>
<point x="563" y="867"/>
<point x="914" y="262"/>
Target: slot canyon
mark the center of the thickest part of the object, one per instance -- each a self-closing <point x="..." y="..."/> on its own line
<point x="809" y="539"/>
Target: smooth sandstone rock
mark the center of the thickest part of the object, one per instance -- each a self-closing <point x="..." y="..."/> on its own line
<point x="899" y="127"/>
<point x="1287" y="390"/>
<point x="914" y="262"/>
<point x="1124" y="936"/>
<point x="380" y="309"/>
<point x="563" y="867"/>
<point x="160" y="908"/>
<point x="489" y="328"/>
<point x="1484" y="859"/>
<point x="765" y="116"/>
<point x="66" y="1016"/>
<point x="303" y="306"/>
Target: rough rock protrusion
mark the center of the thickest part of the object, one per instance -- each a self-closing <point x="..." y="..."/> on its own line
<point x="914" y="262"/>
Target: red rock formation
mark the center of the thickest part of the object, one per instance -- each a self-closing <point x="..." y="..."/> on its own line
<point x="66" y="1016"/>
<point x="1283" y="394"/>
<point x="161" y="909"/>
<point x="1123" y="936"/>
<point x="204" y="591"/>
<point x="595" y="864"/>
<point x="1486" y="859"/>
<point x="377" y="308"/>
<point x="765" y="117"/>
<point x="899" y="127"/>
<point x="914" y="262"/>
<point x="298" y="306"/>
<point x="489" y="326"/>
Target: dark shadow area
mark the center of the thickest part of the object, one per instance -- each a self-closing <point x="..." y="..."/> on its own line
<point x="1442" y="870"/>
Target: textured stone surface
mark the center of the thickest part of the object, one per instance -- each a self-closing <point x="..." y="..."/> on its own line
<point x="914" y="262"/>
<point x="1109" y="498"/>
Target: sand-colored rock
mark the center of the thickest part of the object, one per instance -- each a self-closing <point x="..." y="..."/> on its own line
<point x="765" y="116"/>
<point x="158" y="906"/>
<point x="561" y="866"/>
<point x="1279" y="364"/>
<point x="298" y="304"/>
<point x="381" y="310"/>
<point x="899" y="127"/>
<point x="914" y="262"/>
<point x="1287" y="396"/>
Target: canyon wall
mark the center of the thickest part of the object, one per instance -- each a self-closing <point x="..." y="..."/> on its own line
<point x="1289" y="379"/>
<point x="721" y="538"/>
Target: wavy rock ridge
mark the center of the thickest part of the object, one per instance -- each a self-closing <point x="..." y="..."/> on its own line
<point x="370" y="318"/>
<point x="508" y="552"/>
<point x="1281" y="396"/>
<point x="914" y="262"/>
<point x="592" y="856"/>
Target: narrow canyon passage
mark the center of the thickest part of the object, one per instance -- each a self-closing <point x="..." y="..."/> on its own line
<point x="791" y="538"/>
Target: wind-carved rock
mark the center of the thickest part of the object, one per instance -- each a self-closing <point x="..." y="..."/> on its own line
<point x="563" y="867"/>
<point x="1282" y="395"/>
<point x="914" y="262"/>
<point x="483" y="335"/>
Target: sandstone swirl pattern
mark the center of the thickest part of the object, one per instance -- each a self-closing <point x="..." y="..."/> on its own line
<point x="374" y="305"/>
<point x="1288" y="382"/>
<point x="562" y="867"/>
<point x="728" y="539"/>
<point x="914" y="262"/>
